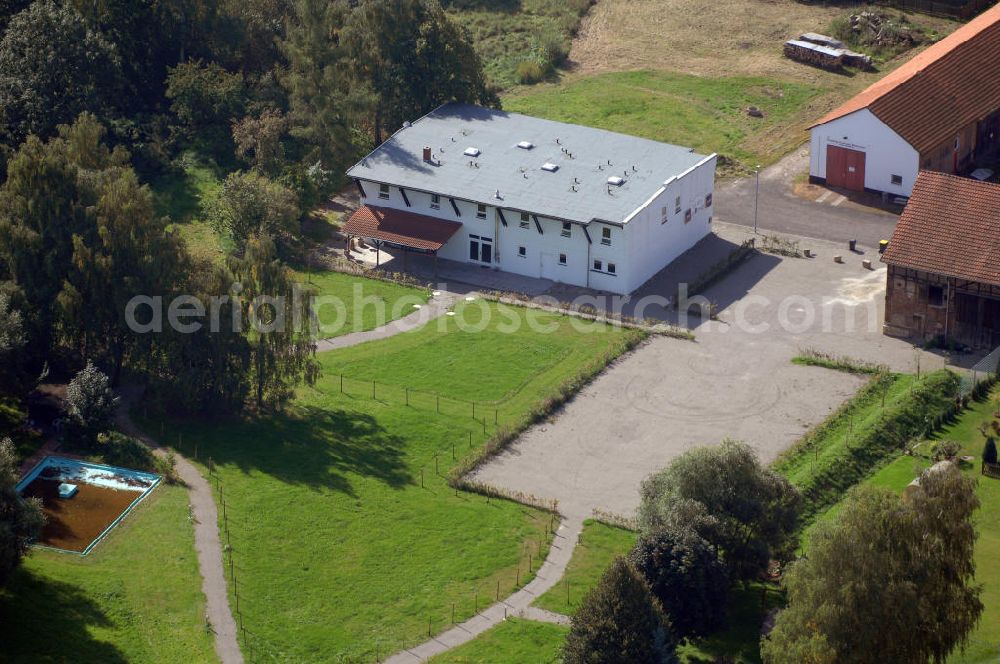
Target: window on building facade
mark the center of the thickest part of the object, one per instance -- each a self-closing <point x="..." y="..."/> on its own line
<point x="598" y="265"/>
<point x="606" y="236"/>
<point x="383" y="191"/>
<point x="562" y="259"/>
<point x="567" y="229"/>
<point x="435" y="202"/>
<point x="677" y="205"/>
<point x="480" y="211"/>
<point x="524" y="220"/>
<point x="611" y="268"/>
<point x="708" y="200"/>
<point x="663" y="214"/>
<point x="935" y="296"/>
<point x="522" y="251"/>
<point x="687" y="215"/>
<point x="897" y="179"/>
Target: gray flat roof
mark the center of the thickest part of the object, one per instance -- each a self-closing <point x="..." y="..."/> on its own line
<point x="585" y="157"/>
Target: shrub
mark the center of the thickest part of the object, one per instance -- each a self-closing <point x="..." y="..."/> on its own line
<point x="685" y="574"/>
<point x="945" y="449"/>
<point x="530" y="72"/>
<point x="990" y="451"/>
<point x="619" y="621"/>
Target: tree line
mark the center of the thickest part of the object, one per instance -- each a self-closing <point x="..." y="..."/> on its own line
<point x="99" y="98"/>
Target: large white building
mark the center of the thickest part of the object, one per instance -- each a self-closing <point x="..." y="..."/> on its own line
<point x="539" y="198"/>
<point x="940" y="111"/>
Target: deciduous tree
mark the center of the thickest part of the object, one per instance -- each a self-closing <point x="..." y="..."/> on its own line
<point x="890" y="580"/>
<point x="52" y="67"/>
<point x="619" y="621"/>
<point x="685" y="574"/>
<point x="20" y="519"/>
<point x="413" y="58"/>
<point x="746" y="511"/>
<point x="90" y="405"/>
<point x="250" y="205"/>
<point x="278" y="324"/>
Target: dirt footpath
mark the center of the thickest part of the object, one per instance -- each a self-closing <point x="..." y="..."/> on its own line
<point x="735" y="381"/>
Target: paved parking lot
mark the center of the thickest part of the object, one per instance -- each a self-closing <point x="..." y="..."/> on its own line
<point x="736" y="380"/>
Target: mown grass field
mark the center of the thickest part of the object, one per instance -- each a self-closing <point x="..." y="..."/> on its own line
<point x="707" y="114"/>
<point x="135" y="598"/>
<point x="515" y="641"/>
<point x="347" y="541"/>
<point x="599" y="544"/>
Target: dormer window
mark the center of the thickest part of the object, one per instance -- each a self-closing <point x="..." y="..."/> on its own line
<point x="435" y="202"/>
<point x="383" y="191"/>
<point x="524" y="220"/>
<point x="567" y="229"/>
<point x="480" y="211"/>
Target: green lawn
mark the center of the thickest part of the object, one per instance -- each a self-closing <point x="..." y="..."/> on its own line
<point x="515" y="641"/>
<point x="135" y="598"/>
<point x="346" y="538"/>
<point x="708" y="114"/>
<point x="349" y="303"/>
<point x="599" y="544"/>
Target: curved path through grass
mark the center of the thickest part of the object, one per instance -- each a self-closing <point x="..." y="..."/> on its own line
<point x="206" y="543"/>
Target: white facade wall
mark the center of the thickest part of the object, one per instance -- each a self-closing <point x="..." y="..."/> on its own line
<point x="657" y="233"/>
<point x="635" y="250"/>
<point x="886" y="153"/>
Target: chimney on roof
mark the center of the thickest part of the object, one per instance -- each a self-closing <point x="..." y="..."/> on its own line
<point x="427" y="153"/>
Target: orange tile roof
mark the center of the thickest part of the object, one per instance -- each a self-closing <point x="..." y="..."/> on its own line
<point x="949" y="85"/>
<point x="951" y="227"/>
<point x="400" y="227"/>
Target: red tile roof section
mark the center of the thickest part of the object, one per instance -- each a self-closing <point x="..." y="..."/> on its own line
<point x="400" y="227"/>
<point x="949" y="85"/>
<point x="951" y="227"/>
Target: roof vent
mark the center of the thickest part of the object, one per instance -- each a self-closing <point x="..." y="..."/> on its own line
<point x="525" y="145"/>
<point x="550" y="167"/>
<point x="471" y="152"/>
<point x="616" y="180"/>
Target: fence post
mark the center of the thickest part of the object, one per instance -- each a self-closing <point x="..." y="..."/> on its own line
<point x="341" y="383"/>
<point x="470" y="440"/>
<point x="373" y="390"/>
<point x="407" y="396"/>
<point x="437" y="402"/>
<point x="473" y="410"/>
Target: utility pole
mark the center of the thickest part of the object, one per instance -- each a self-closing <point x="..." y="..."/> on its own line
<point x="756" y="195"/>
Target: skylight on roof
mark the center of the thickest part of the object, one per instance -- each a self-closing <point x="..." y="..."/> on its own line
<point x="525" y="145"/>
<point x="471" y="152"/>
<point x="550" y="167"/>
<point x="616" y="180"/>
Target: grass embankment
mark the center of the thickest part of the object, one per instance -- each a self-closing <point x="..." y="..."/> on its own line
<point x="863" y="434"/>
<point x="515" y="641"/>
<point x="512" y="35"/>
<point x="135" y="598"/>
<point x="708" y="114"/>
<point x="347" y="540"/>
<point x="599" y="545"/>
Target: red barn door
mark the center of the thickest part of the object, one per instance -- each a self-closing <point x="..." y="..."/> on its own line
<point x="845" y="168"/>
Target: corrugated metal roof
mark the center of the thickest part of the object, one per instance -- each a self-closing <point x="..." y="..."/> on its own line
<point x="586" y="158"/>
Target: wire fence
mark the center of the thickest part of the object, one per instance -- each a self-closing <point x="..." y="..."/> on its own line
<point x="982" y="371"/>
<point x="486" y="413"/>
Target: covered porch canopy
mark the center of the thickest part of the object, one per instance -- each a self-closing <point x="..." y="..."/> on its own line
<point x="409" y="230"/>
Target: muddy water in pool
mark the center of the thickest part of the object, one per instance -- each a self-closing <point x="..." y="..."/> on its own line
<point x="73" y="523"/>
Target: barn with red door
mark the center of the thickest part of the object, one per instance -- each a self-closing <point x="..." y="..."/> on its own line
<point x="940" y="111"/>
